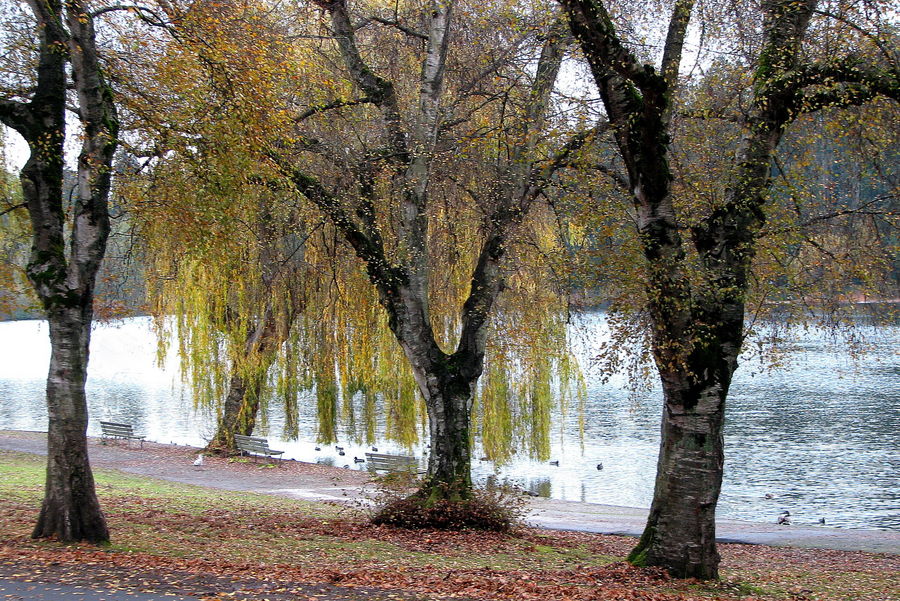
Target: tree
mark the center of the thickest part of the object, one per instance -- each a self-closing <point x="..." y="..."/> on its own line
<point x="67" y="247"/>
<point x="225" y="254"/>
<point x="234" y="259"/>
<point x="697" y="316"/>
<point x="405" y="153"/>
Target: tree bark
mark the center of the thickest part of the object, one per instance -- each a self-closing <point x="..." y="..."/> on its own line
<point x="70" y="510"/>
<point x="448" y="392"/>
<point x="680" y="533"/>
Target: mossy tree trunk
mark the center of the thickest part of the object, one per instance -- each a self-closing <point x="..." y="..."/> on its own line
<point x="698" y="329"/>
<point x="63" y="267"/>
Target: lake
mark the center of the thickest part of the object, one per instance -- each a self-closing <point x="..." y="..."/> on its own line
<point x="821" y="433"/>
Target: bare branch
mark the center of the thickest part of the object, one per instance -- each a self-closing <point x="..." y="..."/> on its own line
<point x="13" y="208"/>
<point x="379" y="90"/>
<point x="879" y="43"/>
<point x="336" y="104"/>
<point x="397" y="25"/>
<point x="146" y="15"/>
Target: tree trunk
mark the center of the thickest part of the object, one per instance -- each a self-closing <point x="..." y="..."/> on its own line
<point x="449" y="401"/>
<point x="70" y="509"/>
<point x="242" y="401"/>
<point x="680" y="534"/>
<point x="238" y="414"/>
<point x="63" y="269"/>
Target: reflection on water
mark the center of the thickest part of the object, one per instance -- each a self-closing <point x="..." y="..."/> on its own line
<point x="821" y="435"/>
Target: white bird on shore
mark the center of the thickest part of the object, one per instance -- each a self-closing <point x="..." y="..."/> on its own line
<point x="199" y="460"/>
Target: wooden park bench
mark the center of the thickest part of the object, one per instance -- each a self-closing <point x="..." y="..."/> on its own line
<point x="122" y="431"/>
<point x="255" y="446"/>
<point x="392" y="463"/>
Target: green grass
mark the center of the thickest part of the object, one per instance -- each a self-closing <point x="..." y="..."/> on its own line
<point x="155" y="516"/>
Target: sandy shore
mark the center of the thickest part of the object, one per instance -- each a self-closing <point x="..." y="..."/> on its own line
<point x="324" y="483"/>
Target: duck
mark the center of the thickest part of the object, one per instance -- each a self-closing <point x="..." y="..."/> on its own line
<point x="784" y="519"/>
<point x="341" y="453"/>
<point x="822" y="521"/>
<point x="318" y="448"/>
<point x="599" y="466"/>
<point x="337" y="448"/>
<point x="358" y="460"/>
<point x="555" y="462"/>
<point x="769" y="496"/>
<point x="374" y="449"/>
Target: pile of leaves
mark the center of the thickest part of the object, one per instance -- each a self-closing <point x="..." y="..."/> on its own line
<point x="494" y="509"/>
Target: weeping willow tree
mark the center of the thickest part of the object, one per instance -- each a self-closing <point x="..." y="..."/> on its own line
<point x="227" y="257"/>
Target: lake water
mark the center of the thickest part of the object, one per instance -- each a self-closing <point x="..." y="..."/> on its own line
<point x="821" y="434"/>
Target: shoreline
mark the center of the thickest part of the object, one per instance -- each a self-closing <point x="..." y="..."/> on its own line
<point x="316" y="482"/>
<point x="321" y="483"/>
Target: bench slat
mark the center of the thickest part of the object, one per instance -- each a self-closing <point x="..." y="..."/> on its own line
<point x="117" y="430"/>
<point x="391" y="463"/>
<point x="255" y="444"/>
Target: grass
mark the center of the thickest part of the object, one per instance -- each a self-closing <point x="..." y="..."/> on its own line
<point x="159" y="523"/>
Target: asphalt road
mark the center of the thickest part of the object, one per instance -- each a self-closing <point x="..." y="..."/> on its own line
<point x="13" y="590"/>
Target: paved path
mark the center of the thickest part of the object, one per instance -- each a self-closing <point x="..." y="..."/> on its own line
<point x="13" y="590"/>
<point x="315" y="482"/>
<point x="35" y="581"/>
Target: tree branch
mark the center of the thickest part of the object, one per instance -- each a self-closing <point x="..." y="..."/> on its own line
<point x="367" y="245"/>
<point x="15" y="115"/>
<point x="336" y="104"/>
<point x="525" y="184"/>
<point x="145" y="14"/>
<point x="397" y="25"/>
<point x="379" y="90"/>
<point x="674" y="47"/>
<point x="593" y="26"/>
<point x="13" y="208"/>
<point x="879" y="43"/>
